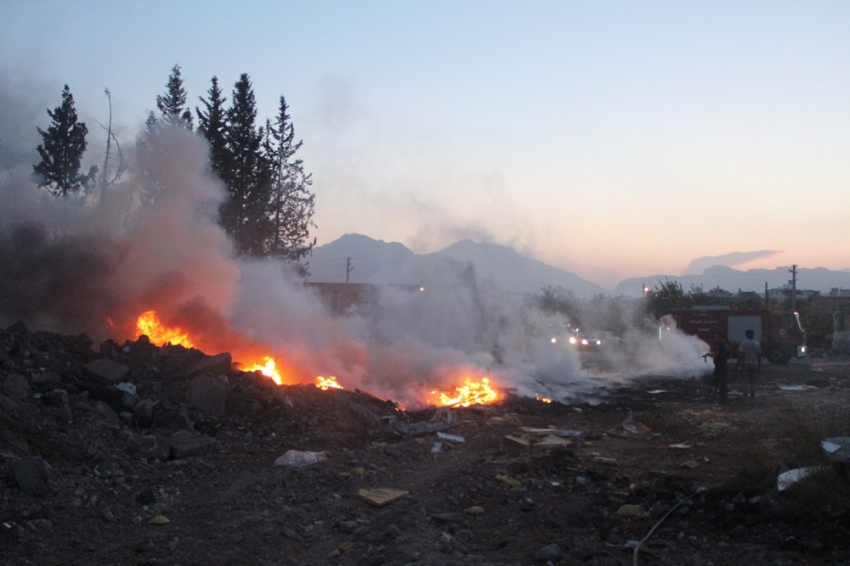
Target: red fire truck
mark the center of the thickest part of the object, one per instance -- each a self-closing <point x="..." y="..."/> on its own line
<point x="780" y="333"/>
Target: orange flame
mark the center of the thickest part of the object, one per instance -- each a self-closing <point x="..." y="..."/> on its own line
<point x="149" y="324"/>
<point x="269" y="369"/>
<point x="470" y="393"/>
<point x="325" y="383"/>
<point x="540" y="398"/>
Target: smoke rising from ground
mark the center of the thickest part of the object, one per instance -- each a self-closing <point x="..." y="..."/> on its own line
<point x="94" y="265"/>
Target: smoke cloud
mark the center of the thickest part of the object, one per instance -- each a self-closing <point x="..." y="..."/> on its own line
<point x="94" y="265"/>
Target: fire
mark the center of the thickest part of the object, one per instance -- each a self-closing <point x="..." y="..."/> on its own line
<point x="470" y="393"/>
<point x="325" y="383"/>
<point x="267" y="368"/>
<point x="149" y="324"/>
<point x="543" y="399"/>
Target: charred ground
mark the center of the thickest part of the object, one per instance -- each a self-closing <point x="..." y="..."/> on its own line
<point x="182" y="470"/>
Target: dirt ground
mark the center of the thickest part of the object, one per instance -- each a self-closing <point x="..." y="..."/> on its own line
<point x="657" y="464"/>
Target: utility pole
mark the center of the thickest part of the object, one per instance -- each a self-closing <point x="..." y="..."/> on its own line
<point x="793" y="282"/>
<point x="348" y="268"/>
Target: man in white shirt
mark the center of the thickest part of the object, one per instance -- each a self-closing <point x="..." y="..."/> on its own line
<point x="750" y="361"/>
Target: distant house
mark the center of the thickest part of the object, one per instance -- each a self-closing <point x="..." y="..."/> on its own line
<point x="784" y="293"/>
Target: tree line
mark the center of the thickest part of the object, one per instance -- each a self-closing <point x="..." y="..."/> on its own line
<point x="269" y="206"/>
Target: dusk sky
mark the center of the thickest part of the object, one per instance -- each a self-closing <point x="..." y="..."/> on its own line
<point x="611" y="139"/>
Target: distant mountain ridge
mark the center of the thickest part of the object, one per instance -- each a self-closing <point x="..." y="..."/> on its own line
<point x="365" y="260"/>
<point x="376" y="261"/>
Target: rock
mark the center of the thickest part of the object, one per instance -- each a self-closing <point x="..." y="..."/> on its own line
<point x="45" y="377"/>
<point x="104" y="410"/>
<point x="446" y="517"/>
<point x="108" y="369"/>
<point x="184" y="444"/>
<point x="209" y="394"/>
<point x="16" y="386"/>
<point x="144" y="412"/>
<point x="211" y="365"/>
<point x="31" y="475"/>
<point x="148" y="447"/>
<point x="550" y="552"/>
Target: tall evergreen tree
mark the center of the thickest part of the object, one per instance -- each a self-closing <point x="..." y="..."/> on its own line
<point x="212" y="123"/>
<point x="172" y="104"/>
<point x="245" y="214"/>
<point x="64" y="144"/>
<point x="292" y="202"/>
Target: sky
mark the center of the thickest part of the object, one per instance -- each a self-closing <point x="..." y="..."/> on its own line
<point x="610" y="139"/>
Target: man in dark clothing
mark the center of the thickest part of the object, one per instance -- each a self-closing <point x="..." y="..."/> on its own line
<point x="721" y="353"/>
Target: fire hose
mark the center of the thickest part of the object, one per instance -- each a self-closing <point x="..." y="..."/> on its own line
<point x="658" y="524"/>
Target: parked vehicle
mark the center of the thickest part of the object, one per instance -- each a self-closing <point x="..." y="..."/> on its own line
<point x="586" y="342"/>
<point x="780" y="333"/>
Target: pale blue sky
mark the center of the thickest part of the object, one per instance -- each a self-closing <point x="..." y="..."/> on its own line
<point x="612" y="139"/>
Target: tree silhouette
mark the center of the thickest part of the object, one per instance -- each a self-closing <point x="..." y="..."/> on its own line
<point x="62" y="149"/>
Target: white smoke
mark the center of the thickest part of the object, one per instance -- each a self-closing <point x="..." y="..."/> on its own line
<point x="107" y="259"/>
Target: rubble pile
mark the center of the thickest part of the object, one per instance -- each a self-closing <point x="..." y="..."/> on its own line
<point x="137" y="454"/>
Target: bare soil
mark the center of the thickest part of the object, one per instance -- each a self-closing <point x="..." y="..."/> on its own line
<point x="658" y="461"/>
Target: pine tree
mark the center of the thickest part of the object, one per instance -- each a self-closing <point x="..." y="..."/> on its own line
<point x="64" y="144"/>
<point x="245" y="214"/>
<point x="292" y="202"/>
<point x="172" y="104"/>
<point x="212" y="123"/>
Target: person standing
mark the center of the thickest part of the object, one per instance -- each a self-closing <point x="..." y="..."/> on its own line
<point x="749" y="360"/>
<point x="721" y="353"/>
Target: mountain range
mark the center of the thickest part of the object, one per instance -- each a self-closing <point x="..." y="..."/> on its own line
<point x="355" y="258"/>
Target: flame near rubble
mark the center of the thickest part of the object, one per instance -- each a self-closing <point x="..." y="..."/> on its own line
<point x="267" y="368"/>
<point x="326" y="383"/>
<point x="470" y="393"/>
<point x="149" y="325"/>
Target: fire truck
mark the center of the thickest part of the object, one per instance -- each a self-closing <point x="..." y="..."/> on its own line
<point x="780" y="333"/>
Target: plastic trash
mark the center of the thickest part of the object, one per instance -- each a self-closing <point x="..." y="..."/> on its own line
<point x="297" y="458"/>
<point x="450" y="437"/>
<point x="126" y="387"/>
<point x="789" y="478"/>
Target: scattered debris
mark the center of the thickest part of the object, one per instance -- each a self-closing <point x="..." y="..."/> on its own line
<point x="630" y="428"/>
<point x="298" y="458"/>
<point x="789" y="478"/>
<point x="451" y="437"/>
<point x="551" y="441"/>
<point x="631" y="511"/>
<point x="381" y="496"/>
<point x="508" y="481"/>
<point x="837" y="449"/>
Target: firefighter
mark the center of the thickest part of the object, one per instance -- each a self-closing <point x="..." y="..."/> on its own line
<point x="721" y="353"/>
